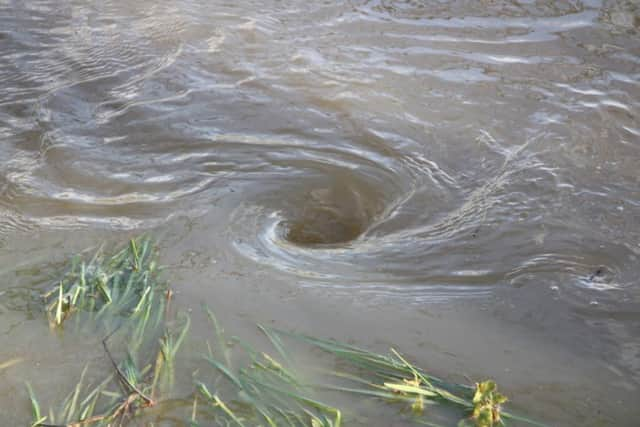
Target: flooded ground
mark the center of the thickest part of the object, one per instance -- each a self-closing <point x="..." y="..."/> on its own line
<point x="459" y="180"/>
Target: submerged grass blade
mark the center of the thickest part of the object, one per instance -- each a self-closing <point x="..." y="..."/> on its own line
<point x="11" y="362"/>
<point x="219" y="333"/>
<point x="226" y="410"/>
<point x="59" y="307"/>
<point x="35" y="407"/>
<point x="136" y="258"/>
<point x="76" y="395"/>
<point x="226" y="371"/>
<point x="277" y="344"/>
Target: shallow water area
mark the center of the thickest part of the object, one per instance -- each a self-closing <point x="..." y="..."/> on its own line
<point x="458" y="180"/>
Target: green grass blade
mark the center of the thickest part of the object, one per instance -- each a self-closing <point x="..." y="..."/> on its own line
<point x="74" y="401"/>
<point x="222" y="368"/>
<point x="35" y="407"/>
<point x="277" y="344"/>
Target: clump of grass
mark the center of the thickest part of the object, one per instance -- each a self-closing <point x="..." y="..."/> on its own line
<point x="487" y="405"/>
<point x="266" y="391"/>
<point x="120" y="284"/>
<point x="120" y="289"/>
<point x="393" y="378"/>
<point x="274" y="393"/>
<point x="119" y="397"/>
<point x="121" y="292"/>
<point x="77" y="408"/>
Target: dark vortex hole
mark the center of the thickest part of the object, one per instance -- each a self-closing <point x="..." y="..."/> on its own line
<point x="331" y="215"/>
<point x="303" y="233"/>
<point x="323" y="226"/>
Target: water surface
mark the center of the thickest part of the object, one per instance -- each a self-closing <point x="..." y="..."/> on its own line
<point x="457" y="179"/>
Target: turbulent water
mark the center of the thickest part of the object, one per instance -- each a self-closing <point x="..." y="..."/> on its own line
<point x="426" y="158"/>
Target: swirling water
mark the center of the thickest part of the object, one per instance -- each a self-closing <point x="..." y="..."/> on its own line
<point x="469" y="168"/>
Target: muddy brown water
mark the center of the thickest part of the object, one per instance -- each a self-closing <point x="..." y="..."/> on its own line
<point x="459" y="180"/>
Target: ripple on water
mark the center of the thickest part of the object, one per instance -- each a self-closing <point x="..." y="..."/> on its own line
<point x="412" y="145"/>
<point x="395" y="152"/>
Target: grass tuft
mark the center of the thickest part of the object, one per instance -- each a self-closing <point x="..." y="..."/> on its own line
<point x="268" y="391"/>
<point x="120" y="291"/>
<point x="107" y="285"/>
